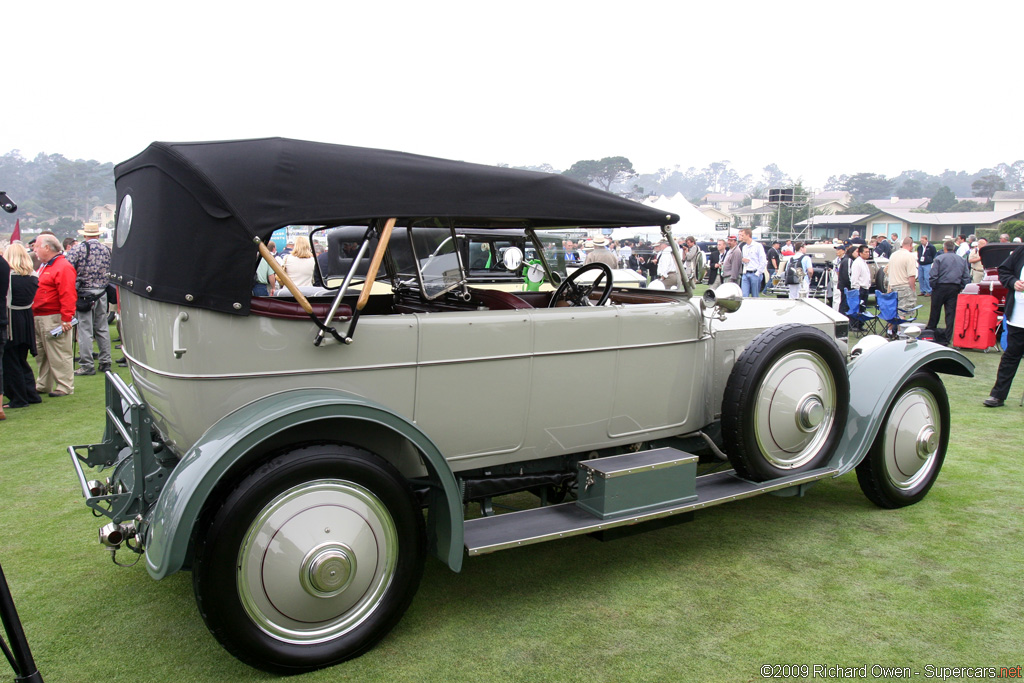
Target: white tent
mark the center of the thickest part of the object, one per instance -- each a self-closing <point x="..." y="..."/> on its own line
<point x="646" y="233"/>
<point x="691" y="220"/>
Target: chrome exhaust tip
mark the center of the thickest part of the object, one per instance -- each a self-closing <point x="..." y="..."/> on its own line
<point x="113" y="535"/>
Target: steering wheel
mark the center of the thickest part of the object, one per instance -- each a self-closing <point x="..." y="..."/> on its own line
<point x="579" y="294"/>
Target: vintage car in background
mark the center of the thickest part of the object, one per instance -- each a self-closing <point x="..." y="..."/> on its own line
<point x="820" y="278"/>
<point x="992" y="256"/>
<point x="980" y="306"/>
<point x="302" y="457"/>
<point x="824" y="277"/>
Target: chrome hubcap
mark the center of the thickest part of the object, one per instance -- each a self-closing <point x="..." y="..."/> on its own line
<point x="328" y="570"/>
<point x="795" y="410"/>
<point x="810" y="414"/>
<point x="912" y="436"/>
<point x="317" y="561"/>
<point x="927" y="442"/>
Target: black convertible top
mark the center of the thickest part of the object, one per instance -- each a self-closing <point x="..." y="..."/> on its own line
<point x="196" y="206"/>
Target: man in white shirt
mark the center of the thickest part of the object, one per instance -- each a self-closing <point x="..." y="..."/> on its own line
<point x="754" y="264"/>
<point x="668" y="269"/>
<point x="860" y="274"/>
<point x="963" y="246"/>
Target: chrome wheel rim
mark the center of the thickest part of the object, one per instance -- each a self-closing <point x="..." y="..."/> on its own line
<point x="912" y="436"/>
<point x="317" y="561"/>
<point x="796" y="409"/>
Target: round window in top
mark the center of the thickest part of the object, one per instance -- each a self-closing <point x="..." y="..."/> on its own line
<point x="124" y="220"/>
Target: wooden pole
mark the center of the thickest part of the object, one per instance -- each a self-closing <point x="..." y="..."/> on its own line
<point x="378" y="256"/>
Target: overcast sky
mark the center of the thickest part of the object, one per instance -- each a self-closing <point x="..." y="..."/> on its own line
<point x="819" y="87"/>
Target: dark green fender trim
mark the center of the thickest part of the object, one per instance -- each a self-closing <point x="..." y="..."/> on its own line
<point x="190" y="483"/>
<point x="875" y="377"/>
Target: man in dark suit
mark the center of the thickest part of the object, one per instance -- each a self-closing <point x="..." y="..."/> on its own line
<point x="925" y="257"/>
<point x="715" y="259"/>
<point x="949" y="276"/>
<point x="774" y="257"/>
<point x="843" y="277"/>
<point x="1011" y="274"/>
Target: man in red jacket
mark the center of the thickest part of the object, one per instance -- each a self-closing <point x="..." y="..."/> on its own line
<point x="54" y="308"/>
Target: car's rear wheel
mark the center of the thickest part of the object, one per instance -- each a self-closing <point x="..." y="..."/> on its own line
<point x="310" y="560"/>
<point x="906" y="456"/>
<point x="785" y="403"/>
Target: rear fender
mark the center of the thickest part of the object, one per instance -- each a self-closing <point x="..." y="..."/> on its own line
<point x="876" y="375"/>
<point x="228" y="442"/>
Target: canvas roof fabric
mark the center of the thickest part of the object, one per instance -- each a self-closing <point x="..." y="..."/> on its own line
<point x="197" y="206"/>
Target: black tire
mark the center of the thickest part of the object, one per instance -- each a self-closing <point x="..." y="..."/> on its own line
<point x="906" y="456"/>
<point x="310" y="560"/>
<point x="882" y="280"/>
<point x="785" y="403"/>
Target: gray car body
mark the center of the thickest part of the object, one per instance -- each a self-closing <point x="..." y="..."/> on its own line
<point x="440" y="392"/>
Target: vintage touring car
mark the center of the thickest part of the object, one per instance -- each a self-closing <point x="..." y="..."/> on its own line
<point x="303" y="456"/>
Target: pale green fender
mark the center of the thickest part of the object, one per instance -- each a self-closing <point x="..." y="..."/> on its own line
<point x="876" y="375"/>
<point x="190" y="483"/>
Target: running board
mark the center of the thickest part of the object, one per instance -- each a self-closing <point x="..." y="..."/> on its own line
<point x="514" y="529"/>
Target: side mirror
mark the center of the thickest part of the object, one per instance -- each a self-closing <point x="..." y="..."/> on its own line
<point x="512" y="259"/>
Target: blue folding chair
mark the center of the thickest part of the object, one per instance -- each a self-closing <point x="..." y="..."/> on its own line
<point x="860" y="320"/>
<point x="889" y="311"/>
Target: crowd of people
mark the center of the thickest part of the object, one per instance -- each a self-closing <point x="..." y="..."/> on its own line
<point x="49" y="288"/>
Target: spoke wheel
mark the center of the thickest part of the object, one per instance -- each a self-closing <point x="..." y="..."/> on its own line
<point x="908" y="452"/>
<point x="311" y="559"/>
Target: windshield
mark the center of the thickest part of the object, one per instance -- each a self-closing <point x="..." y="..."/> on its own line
<point x="426" y="255"/>
<point x="559" y="250"/>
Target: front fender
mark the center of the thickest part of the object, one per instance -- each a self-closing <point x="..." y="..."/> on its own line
<point x="876" y="375"/>
<point x="226" y="442"/>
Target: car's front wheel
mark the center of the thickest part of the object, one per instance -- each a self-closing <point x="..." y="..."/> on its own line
<point x="908" y="452"/>
<point x="310" y="560"/>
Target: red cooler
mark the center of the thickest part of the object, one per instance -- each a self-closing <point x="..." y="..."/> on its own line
<point x="976" y="321"/>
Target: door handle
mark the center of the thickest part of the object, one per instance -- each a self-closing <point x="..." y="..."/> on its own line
<point x="179" y="351"/>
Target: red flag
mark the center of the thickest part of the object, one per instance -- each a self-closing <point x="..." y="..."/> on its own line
<point x="16" y="235"/>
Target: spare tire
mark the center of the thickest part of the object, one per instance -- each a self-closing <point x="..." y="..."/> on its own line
<point x="785" y="403"/>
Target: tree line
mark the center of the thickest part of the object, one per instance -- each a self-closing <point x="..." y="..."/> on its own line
<point x="59" y="193"/>
<point x="54" y="192"/>
<point x="616" y="174"/>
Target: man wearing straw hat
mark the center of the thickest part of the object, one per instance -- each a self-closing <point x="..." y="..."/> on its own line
<point x="601" y="253"/>
<point x="91" y="261"/>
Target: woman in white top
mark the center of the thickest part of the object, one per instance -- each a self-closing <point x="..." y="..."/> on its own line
<point x="299" y="264"/>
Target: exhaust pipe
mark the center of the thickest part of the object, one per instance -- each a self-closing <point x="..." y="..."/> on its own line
<point x="114" y="534"/>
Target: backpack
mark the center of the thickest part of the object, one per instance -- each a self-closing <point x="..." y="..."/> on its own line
<point x="794" y="273"/>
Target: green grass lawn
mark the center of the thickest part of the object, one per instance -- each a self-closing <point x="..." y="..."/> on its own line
<point x="826" y="579"/>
